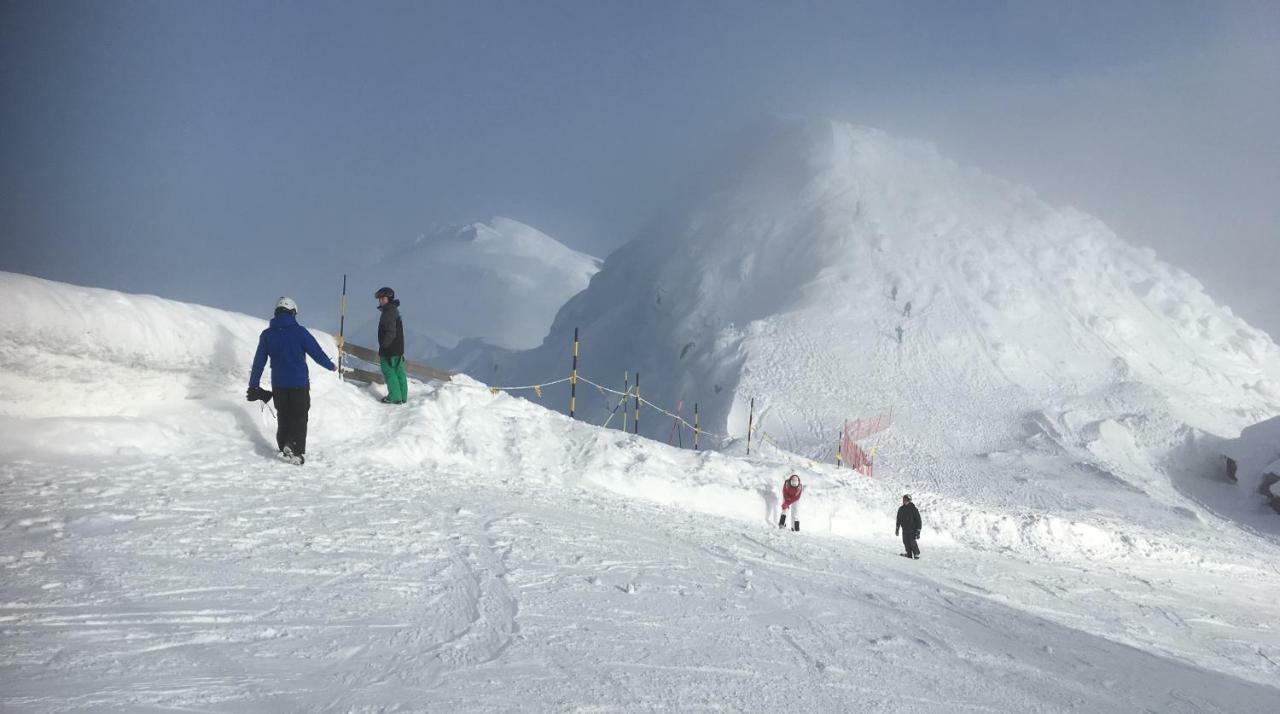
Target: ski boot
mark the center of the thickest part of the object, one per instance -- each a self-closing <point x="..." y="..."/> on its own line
<point x="782" y="521"/>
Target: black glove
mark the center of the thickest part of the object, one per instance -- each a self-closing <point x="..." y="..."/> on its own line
<point x="917" y="535"/>
<point x="253" y="394"/>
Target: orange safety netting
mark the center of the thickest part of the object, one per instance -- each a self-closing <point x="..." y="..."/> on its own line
<point x="854" y="431"/>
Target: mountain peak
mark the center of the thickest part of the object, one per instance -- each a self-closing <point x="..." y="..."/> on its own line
<point x="786" y="280"/>
<point x="500" y="281"/>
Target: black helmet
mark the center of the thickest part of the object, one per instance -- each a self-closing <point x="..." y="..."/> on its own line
<point x="387" y="293"/>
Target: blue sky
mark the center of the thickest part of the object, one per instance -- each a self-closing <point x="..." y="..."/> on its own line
<point x="228" y="152"/>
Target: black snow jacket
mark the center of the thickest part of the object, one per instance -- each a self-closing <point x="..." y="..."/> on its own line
<point x="390" y="330"/>
<point x="909" y="518"/>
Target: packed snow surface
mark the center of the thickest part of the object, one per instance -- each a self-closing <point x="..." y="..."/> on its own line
<point x="476" y="551"/>
<point x="499" y="282"/>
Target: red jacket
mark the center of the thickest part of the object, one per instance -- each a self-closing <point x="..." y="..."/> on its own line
<point x="790" y="494"/>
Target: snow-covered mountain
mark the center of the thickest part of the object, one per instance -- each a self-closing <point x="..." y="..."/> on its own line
<point x="499" y="282"/>
<point x="477" y="551"/>
<point x="1040" y="349"/>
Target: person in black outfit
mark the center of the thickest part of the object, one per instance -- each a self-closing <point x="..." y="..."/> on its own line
<point x="909" y="523"/>
<point x="391" y="347"/>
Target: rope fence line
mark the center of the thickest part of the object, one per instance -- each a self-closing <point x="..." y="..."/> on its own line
<point x="860" y="463"/>
<point x="630" y="393"/>
<point x="679" y="419"/>
<point x="623" y="396"/>
<point x="847" y="448"/>
<point x="495" y="390"/>
<point x="614" y="412"/>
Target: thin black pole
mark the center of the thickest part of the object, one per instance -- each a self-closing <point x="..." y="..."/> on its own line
<point x="573" y="376"/>
<point x="696" y="428"/>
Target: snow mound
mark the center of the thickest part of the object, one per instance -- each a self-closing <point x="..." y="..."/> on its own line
<point x="423" y="546"/>
<point x="91" y="373"/>
<point x="78" y="351"/>
<point x="501" y="282"/>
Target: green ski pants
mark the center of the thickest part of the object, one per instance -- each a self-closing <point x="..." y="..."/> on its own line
<point x="397" y="383"/>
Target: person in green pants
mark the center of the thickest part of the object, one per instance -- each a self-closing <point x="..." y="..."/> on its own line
<point x="391" y="347"/>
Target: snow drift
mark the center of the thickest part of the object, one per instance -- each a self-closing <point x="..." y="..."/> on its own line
<point x="101" y="373"/>
<point x="473" y="549"/>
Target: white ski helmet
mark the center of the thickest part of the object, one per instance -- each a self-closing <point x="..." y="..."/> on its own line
<point x="288" y="304"/>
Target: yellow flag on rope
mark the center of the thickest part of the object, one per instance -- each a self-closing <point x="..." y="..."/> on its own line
<point x="538" y="390"/>
<point x="493" y="390"/>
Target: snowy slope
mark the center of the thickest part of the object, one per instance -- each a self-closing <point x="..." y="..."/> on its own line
<point x="500" y="282"/>
<point x="478" y="551"/>
<point x="1069" y="369"/>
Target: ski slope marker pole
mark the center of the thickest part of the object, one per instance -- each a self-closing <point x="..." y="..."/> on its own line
<point x="626" y="389"/>
<point x="573" y="376"/>
<point x="751" y="419"/>
<point x="844" y="434"/>
<point x="342" y="324"/>
<point x="695" y="426"/>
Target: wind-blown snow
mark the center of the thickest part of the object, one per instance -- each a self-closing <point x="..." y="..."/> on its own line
<point x="478" y="552"/>
<point x="500" y="282"/>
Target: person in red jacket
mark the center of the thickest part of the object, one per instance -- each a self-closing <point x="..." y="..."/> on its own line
<point x="791" y="491"/>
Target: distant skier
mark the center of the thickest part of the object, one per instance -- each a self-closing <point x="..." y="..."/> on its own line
<point x="792" y="489"/>
<point x="909" y="523"/>
<point x="906" y="309"/>
<point x="899" y="334"/>
<point x="893" y="294"/>
<point x="286" y="344"/>
<point x="391" y="347"/>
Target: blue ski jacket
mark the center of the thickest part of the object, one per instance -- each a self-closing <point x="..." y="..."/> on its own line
<point x="287" y="343"/>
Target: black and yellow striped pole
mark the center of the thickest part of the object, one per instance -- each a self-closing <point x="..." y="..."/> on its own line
<point x="637" y="419"/>
<point x="695" y="426"/>
<point x="573" y="376"/>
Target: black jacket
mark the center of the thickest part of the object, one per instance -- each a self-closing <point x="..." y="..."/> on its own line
<point x="390" y="330"/>
<point x="909" y="518"/>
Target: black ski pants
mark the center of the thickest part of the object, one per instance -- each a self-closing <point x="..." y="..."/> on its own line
<point x="292" y="406"/>
<point x="909" y="542"/>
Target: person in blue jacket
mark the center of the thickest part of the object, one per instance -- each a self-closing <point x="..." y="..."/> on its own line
<point x="287" y="343"/>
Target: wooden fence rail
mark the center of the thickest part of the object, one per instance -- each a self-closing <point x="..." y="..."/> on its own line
<point x="420" y="371"/>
